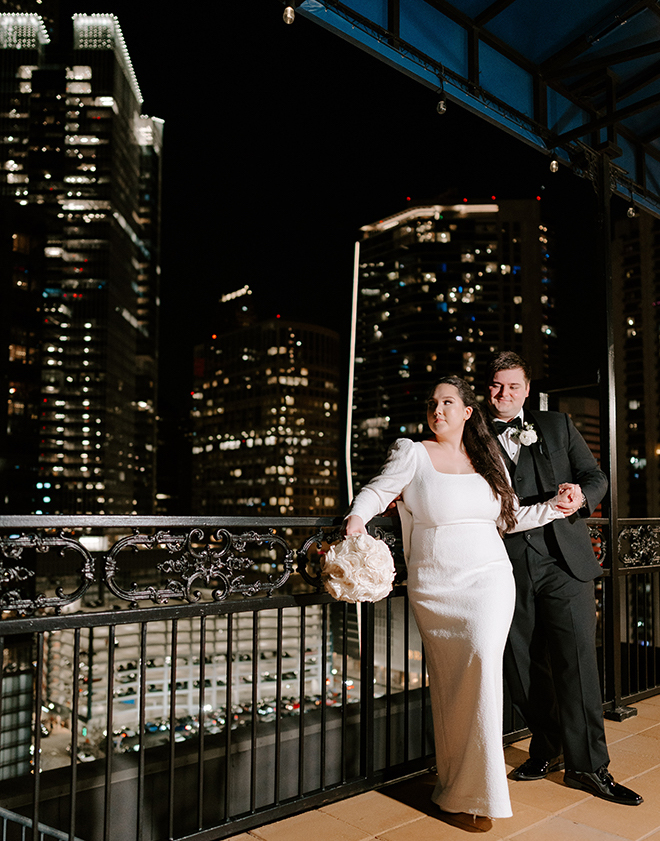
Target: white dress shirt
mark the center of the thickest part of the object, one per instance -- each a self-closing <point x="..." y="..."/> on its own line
<point x="511" y="444"/>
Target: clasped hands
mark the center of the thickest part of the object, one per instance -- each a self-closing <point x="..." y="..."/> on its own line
<point x="569" y="498"/>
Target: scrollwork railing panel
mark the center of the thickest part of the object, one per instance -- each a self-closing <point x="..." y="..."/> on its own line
<point x="218" y="562"/>
<point x="13" y="578"/>
<point x="639" y="545"/>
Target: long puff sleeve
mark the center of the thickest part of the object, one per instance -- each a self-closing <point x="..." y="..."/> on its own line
<point x="533" y="516"/>
<point x="394" y="476"/>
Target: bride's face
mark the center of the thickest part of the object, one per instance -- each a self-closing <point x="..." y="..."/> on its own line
<point x="446" y="413"/>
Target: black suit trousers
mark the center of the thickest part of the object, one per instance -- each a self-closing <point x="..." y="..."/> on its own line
<point x="550" y="662"/>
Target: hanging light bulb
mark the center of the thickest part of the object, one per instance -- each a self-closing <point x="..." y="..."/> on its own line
<point x="554" y="165"/>
<point x="441" y="107"/>
<point x="631" y="212"/>
<point x="289" y="14"/>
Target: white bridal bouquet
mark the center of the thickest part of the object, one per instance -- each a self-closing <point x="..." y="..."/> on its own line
<point x="359" y="569"/>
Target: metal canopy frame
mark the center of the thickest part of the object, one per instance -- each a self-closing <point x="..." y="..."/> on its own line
<point x="575" y="80"/>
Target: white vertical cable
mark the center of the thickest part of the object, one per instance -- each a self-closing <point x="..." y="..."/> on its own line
<point x="351" y="374"/>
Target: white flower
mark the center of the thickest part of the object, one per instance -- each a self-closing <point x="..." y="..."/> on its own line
<point x="359" y="569"/>
<point x="526" y="436"/>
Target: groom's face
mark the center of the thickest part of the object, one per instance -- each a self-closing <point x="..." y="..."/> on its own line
<point x="507" y="392"/>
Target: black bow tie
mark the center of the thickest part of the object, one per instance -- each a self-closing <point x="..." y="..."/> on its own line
<point x="500" y="426"/>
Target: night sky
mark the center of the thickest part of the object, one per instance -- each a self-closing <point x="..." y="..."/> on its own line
<point x="281" y="141"/>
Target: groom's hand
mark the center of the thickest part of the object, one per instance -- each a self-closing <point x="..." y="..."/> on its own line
<point x="571" y="498"/>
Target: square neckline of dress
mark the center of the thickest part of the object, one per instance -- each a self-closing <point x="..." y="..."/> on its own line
<point x="439" y="472"/>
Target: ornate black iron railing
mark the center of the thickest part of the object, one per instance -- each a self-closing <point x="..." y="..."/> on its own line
<point x="194" y="671"/>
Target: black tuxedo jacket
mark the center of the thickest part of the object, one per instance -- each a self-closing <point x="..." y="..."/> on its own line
<point x="560" y="455"/>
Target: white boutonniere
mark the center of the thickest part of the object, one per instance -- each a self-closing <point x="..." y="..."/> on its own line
<point x="525" y="436"/>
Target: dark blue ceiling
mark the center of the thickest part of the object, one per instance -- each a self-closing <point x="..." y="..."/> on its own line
<point x="576" y="78"/>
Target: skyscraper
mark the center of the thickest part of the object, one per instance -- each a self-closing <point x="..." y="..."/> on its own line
<point x="440" y="288"/>
<point x="636" y="285"/>
<point x="22" y="274"/>
<point x="75" y="145"/>
<point x="265" y="419"/>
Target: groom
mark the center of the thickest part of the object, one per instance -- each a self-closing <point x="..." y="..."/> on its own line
<point x="550" y="659"/>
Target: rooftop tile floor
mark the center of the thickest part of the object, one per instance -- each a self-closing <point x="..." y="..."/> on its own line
<point x="544" y="810"/>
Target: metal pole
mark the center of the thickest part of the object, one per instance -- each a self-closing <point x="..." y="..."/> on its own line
<point x="613" y="624"/>
<point x="351" y="374"/>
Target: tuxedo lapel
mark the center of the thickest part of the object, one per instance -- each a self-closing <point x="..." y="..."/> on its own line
<point x="540" y="457"/>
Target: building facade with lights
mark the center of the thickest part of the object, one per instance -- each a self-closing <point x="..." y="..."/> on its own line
<point x="636" y="287"/>
<point x="439" y="289"/>
<point x="22" y="274"/>
<point x="265" y="421"/>
<point x="75" y="146"/>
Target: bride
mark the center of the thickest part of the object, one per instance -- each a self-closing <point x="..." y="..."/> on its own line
<point x="455" y="500"/>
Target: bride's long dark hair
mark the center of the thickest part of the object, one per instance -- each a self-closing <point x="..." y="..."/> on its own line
<point x="482" y="449"/>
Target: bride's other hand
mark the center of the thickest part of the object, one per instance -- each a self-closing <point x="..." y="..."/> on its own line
<point x="570" y="498"/>
<point x="354" y="525"/>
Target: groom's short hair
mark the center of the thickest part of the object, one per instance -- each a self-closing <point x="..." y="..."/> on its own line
<point x="505" y="360"/>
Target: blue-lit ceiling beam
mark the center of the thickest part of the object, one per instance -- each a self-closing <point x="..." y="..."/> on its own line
<point x="492" y="11"/>
<point x="603" y="62"/>
<point x="609" y="119"/>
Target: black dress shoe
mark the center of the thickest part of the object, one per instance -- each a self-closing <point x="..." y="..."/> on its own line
<point x="537" y="769"/>
<point x="601" y="784"/>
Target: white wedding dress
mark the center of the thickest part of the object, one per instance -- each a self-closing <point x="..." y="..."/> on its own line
<point x="461" y="588"/>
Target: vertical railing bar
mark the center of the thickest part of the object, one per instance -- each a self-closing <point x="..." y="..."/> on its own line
<point x="2" y="702"/>
<point x="278" y="708"/>
<point x="75" y="707"/>
<point x="604" y="590"/>
<point x="640" y="613"/>
<point x="640" y="657"/>
<point x="632" y="607"/>
<point x="255" y="712"/>
<point x="424" y="696"/>
<point x="36" y="758"/>
<point x="200" y="744"/>
<point x="367" y="654"/>
<point x="323" y="693"/>
<point x="108" y="747"/>
<point x="90" y="668"/>
<point x="654" y="589"/>
<point x="648" y="625"/>
<point x="142" y="719"/>
<point x="388" y="683"/>
<point x="344" y="693"/>
<point x="641" y="595"/>
<point x="406" y="682"/>
<point x="647" y="591"/>
<point x="301" y="690"/>
<point x="625" y="587"/>
<point x="654" y="595"/>
<point x="172" y="746"/>
<point x="229" y="716"/>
